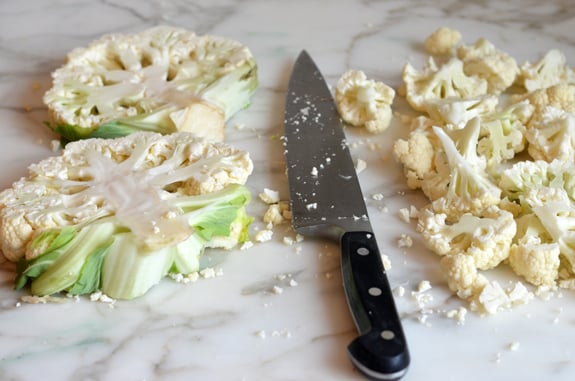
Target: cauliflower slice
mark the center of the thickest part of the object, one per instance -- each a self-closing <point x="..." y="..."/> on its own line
<point x="163" y="79"/>
<point x="486" y="237"/>
<point x="362" y="102"/>
<point x="484" y="60"/>
<point x="548" y="71"/>
<point x="442" y="42"/>
<point x="135" y="179"/>
<point x="434" y="83"/>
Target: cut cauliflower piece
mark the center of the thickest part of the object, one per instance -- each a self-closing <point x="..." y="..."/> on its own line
<point x="536" y="261"/>
<point x="363" y="102"/>
<point x="470" y="189"/>
<point x="548" y="71"/>
<point x="454" y="113"/>
<point x="561" y="96"/>
<point x="434" y="83"/>
<point x="117" y="215"/>
<point x="503" y="135"/>
<point x="424" y="164"/>
<point x="484" y="60"/>
<point x="442" y="42"/>
<point x="486" y="237"/>
<point x="462" y="275"/>
<point x="553" y="136"/>
<point x="163" y="79"/>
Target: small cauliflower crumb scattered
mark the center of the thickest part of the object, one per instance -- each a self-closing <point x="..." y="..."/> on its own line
<point x="386" y="262"/>
<point x="514" y="346"/>
<point x="377" y="196"/>
<point x="404" y="215"/>
<point x="360" y="166"/>
<point x="405" y="241"/>
<point x="458" y="314"/>
<point x="399" y="291"/>
<point x="263" y="235"/>
<point x="269" y="196"/>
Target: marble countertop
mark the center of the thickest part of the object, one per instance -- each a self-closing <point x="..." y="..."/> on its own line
<point x="276" y="312"/>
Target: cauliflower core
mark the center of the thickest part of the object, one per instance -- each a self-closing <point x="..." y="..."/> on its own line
<point x="163" y="80"/>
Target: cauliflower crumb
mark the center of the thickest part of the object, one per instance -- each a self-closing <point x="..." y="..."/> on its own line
<point x="277" y="290"/>
<point x="405" y="215"/>
<point x="458" y="314"/>
<point x="269" y="196"/>
<point x="399" y="291"/>
<point x="360" y="166"/>
<point x="405" y="241"/>
<point x="386" y="262"/>
<point x="423" y="286"/>
<point x="246" y="245"/>
<point x="514" y="346"/>
<point x="264" y="235"/>
<point x="377" y="196"/>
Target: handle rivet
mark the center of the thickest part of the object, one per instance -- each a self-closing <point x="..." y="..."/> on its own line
<point x="363" y="251"/>
<point x="387" y="335"/>
<point x="374" y="291"/>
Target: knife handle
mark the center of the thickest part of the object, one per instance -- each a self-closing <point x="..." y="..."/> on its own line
<point x="380" y="352"/>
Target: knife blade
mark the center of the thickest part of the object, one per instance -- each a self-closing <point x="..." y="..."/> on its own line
<point x="326" y="201"/>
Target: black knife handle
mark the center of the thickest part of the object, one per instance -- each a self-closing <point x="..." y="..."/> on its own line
<point x="380" y="352"/>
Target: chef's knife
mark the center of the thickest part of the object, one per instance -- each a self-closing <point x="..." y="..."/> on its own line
<point x="326" y="200"/>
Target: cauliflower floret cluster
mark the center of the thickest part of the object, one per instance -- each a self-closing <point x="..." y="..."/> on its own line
<point x="364" y="102"/>
<point x="493" y="149"/>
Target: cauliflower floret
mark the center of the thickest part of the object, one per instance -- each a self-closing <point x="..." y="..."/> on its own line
<point x="455" y="113"/>
<point x="434" y="83"/>
<point x="416" y="154"/>
<point x="561" y="96"/>
<point x="462" y="275"/>
<point x="484" y="60"/>
<point x="548" y="71"/>
<point x="470" y="189"/>
<point x="442" y="42"/>
<point x="503" y="135"/>
<point x="424" y="164"/>
<point x="486" y="237"/>
<point x="552" y="137"/>
<point x="364" y="103"/>
<point x="537" y="262"/>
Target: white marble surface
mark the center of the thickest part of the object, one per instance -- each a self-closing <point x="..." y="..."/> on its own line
<point x="234" y="327"/>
